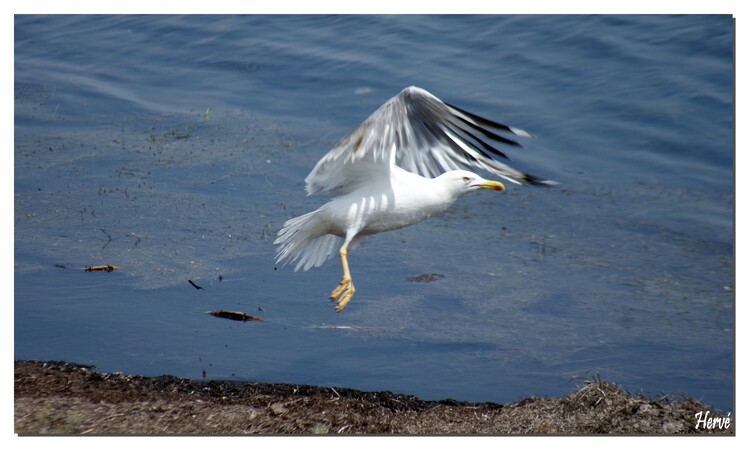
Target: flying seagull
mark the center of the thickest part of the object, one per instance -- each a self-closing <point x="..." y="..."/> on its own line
<point x="405" y="163"/>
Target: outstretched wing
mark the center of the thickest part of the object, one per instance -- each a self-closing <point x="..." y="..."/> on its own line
<point x="418" y="132"/>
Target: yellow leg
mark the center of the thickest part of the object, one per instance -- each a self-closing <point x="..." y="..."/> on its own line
<point x="345" y="289"/>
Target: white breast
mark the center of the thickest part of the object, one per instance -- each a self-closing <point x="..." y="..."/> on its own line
<point x="399" y="201"/>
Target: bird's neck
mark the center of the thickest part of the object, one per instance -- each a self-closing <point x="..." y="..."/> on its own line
<point x="430" y="195"/>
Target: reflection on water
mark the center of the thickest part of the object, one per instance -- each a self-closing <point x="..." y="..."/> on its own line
<point x="175" y="147"/>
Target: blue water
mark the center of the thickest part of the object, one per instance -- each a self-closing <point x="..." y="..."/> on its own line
<point x="175" y="147"/>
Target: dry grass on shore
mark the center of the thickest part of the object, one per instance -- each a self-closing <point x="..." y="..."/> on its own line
<point x="65" y="398"/>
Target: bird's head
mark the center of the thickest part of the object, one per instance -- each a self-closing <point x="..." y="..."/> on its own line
<point x="461" y="182"/>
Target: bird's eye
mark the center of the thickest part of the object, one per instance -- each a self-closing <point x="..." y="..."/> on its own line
<point x="466" y="179"/>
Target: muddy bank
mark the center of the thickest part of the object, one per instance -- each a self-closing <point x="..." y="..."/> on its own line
<point x="65" y="398"/>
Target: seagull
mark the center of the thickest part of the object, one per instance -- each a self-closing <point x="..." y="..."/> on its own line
<point x="407" y="162"/>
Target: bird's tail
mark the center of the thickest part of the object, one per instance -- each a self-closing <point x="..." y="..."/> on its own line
<point x="303" y="240"/>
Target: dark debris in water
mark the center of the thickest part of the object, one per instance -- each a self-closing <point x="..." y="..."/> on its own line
<point x="195" y="285"/>
<point x="234" y="316"/>
<point x="103" y="268"/>
<point x="426" y="277"/>
<point x="171" y="134"/>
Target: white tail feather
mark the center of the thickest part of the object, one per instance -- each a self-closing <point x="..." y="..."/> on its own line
<point x="304" y="240"/>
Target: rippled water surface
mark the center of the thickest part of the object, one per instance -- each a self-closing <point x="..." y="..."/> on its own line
<point x="175" y="147"/>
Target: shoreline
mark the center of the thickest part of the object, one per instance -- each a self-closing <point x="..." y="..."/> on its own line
<point x="60" y="398"/>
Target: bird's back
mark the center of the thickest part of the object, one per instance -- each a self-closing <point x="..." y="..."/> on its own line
<point x="421" y="134"/>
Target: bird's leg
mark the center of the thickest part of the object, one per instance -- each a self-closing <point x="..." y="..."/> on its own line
<point x="345" y="289"/>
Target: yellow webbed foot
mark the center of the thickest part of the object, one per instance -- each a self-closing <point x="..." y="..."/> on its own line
<point x="342" y="293"/>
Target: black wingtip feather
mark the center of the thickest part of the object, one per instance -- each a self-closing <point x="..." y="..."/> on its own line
<point x="475" y="142"/>
<point x="490" y="134"/>
<point x="483" y="121"/>
<point x="536" y="181"/>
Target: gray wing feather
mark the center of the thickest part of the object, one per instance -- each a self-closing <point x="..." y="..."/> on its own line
<point x="418" y="132"/>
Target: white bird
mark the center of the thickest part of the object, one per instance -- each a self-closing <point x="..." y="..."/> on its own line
<point x="402" y="165"/>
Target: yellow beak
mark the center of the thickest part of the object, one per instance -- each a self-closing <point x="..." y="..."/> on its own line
<point x="491" y="184"/>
